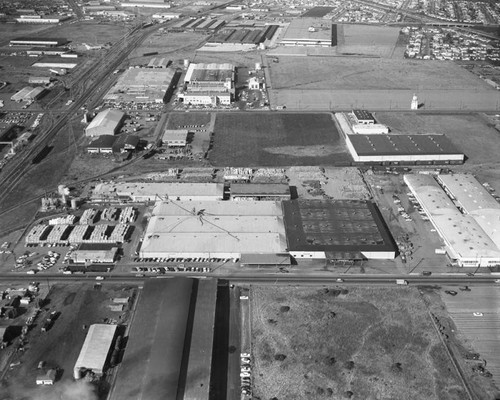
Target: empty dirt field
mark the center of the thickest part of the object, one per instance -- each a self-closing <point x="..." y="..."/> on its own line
<point x="264" y="139"/>
<point x="341" y="343"/>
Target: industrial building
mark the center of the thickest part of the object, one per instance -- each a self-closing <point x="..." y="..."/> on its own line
<point x="94" y="253"/>
<point x="164" y="374"/>
<point x="38" y="41"/>
<point x="107" y="122"/>
<point x="103" y="144"/>
<point x="38" y="19"/>
<point x="142" y="86"/>
<point x="28" y="94"/>
<point x="139" y="192"/>
<point x="159" y="63"/>
<point x="209" y="84"/>
<point x="214" y="229"/>
<point x="175" y="137"/>
<point x="337" y="230"/>
<point x="40" y="79"/>
<point x="55" y="65"/>
<point x="463" y="213"/>
<point x="259" y="191"/>
<point x="95" y="350"/>
<point x="315" y="32"/>
<point x="403" y="149"/>
<point x="363" y="117"/>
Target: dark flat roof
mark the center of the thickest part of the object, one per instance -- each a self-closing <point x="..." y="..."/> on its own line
<point x="252" y="189"/>
<point x="152" y="361"/>
<point x="96" y="246"/>
<point x="197" y="386"/>
<point x="363" y="115"/>
<point x="368" y="145"/>
<point x="106" y="141"/>
<point x="335" y="226"/>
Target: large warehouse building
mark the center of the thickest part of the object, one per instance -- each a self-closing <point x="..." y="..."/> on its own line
<point x="28" y="94"/>
<point x="464" y="214"/>
<point x="139" y="192"/>
<point x="220" y="229"/>
<point x="403" y="149"/>
<point x="142" y="86"/>
<point x="95" y="350"/>
<point x="173" y="360"/>
<point x="315" y="32"/>
<point x="107" y="122"/>
<point x="337" y="230"/>
<point x="209" y="84"/>
<point x="38" y="41"/>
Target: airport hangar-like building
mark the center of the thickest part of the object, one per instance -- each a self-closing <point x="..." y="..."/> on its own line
<point x="268" y="232"/>
<point x="312" y="32"/>
<point x="142" y="86"/>
<point x="177" y="359"/>
<point x="107" y="122"/>
<point x="464" y="214"/>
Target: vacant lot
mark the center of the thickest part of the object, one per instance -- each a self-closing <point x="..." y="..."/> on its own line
<point x="90" y="32"/>
<point x="79" y="305"/>
<point x="356" y="73"/>
<point x="248" y="140"/>
<point x="369" y="40"/>
<point x="359" y="343"/>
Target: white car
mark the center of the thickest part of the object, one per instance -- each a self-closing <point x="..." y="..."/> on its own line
<point x="478" y="314"/>
<point x="243" y="297"/>
<point x="245" y="355"/>
<point x="245" y="374"/>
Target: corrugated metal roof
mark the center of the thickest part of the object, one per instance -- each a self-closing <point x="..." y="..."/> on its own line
<point x="109" y="119"/>
<point x="96" y="347"/>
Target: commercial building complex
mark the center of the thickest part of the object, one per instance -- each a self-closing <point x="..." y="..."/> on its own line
<point x="154" y="191"/>
<point x="337" y="229"/>
<point x="464" y="214"/>
<point x="142" y="86"/>
<point x="214" y="229"/>
<point x="95" y="350"/>
<point x="209" y="84"/>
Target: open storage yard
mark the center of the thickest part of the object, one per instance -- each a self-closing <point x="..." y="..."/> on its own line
<point x="363" y="343"/>
<point x="258" y="139"/>
<point x="78" y="306"/>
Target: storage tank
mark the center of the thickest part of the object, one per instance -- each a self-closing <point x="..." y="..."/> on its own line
<point x="186" y="63"/>
<point x="258" y="66"/>
<point x="74" y="203"/>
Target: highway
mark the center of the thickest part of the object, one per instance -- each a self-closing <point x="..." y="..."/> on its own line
<point x="272" y="278"/>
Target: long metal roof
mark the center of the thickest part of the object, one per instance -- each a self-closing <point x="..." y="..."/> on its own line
<point x="109" y="119"/>
<point x="96" y="347"/>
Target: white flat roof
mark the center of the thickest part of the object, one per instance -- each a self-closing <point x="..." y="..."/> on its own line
<point x="213" y="243"/>
<point x="463" y="233"/>
<point x="162" y="189"/>
<point x="217" y="208"/>
<point x="224" y="227"/>
<point x="96" y="347"/>
<point x="476" y="201"/>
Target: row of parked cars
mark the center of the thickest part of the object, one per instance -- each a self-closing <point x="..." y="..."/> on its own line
<point x="178" y="268"/>
<point x="246" y="374"/>
<point x="187" y="260"/>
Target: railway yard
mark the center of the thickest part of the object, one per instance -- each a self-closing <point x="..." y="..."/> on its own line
<point x="215" y="200"/>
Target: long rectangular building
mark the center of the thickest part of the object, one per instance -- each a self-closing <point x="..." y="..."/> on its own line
<point x="107" y="122"/>
<point x="410" y="149"/>
<point x="151" y="366"/>
<point x="467" y="221"/>
<point x="95" y="350"/>
<point x="154" y="191"/>
<point x="38" y="41"/>
<point x="214" y="229"/>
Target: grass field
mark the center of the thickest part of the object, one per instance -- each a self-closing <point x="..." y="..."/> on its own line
<point x="368" y="40"/>
<point x="359" y="343"/>
<point x="264" y="139"/>
<point x="79" y="305"/>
